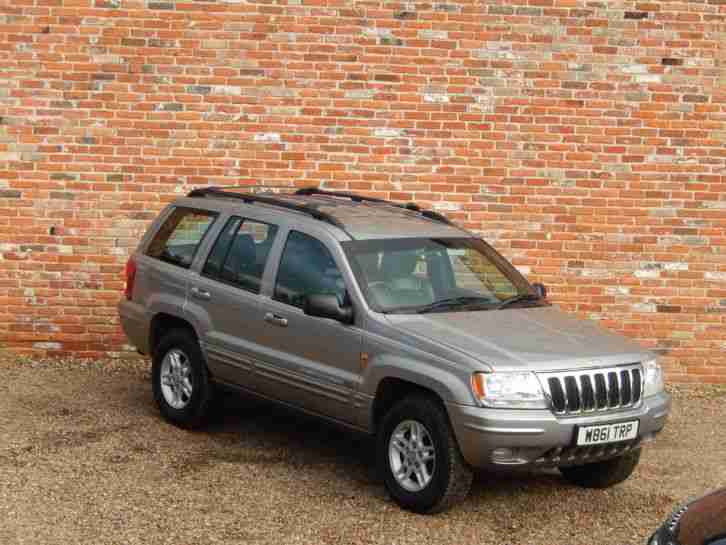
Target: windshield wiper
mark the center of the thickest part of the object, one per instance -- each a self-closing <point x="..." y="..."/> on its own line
<point x="519" y="298"/>
<point x="453" y="302"/>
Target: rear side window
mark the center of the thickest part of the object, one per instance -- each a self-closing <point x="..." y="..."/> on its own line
<point x="178" y="238"/>
<point x="240" y="253"/>
<point x="307" y="268"/>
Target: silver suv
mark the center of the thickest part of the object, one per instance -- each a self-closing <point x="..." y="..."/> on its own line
<point x="388" y="319"/>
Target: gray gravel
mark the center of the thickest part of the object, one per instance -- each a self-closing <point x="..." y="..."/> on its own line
<point x="84" y="458"/>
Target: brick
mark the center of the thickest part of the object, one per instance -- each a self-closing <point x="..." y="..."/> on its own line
<point x="501" y="10"/>
<point x="63" y="176"/>
<point x="170" y="107"/>
<point x="636" y="15"/>
<point x="451" y="8"/>
<point x="390" y="40"/>
<point x="133" y="42"/>
<point x="695" y="98"/>
<point x="389" y="133"/>
<point x="267" y="137"/>
<point x="668" y="308"/>
<point x="48" y="345"/>
<point x="199" y="89"/>
<point x="64" y="195"/>
<point x="387" y="77"/>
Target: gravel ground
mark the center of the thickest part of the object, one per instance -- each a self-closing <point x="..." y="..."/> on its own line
<point x="85" y="458"/>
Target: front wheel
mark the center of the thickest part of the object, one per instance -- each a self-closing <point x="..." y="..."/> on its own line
<point x="603" y="474"/>
<point x="422" y="467"/>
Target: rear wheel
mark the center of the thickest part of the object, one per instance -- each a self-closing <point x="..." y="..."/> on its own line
<point x="422" y="466"/>
<point x="603" y="474"/>
<point x="180" y="379"/>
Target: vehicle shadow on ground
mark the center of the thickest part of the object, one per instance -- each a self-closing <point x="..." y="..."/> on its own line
<point x="264" y="432"/>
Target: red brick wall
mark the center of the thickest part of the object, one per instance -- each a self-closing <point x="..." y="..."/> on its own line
<point x="584" y="139"/>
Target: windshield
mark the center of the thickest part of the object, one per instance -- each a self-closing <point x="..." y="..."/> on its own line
<point x="436" y="275"/>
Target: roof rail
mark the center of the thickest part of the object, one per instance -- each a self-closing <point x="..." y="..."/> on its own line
<point x="272" y="201"/>
<point x="430" y="214"/>
<point x="308" y="191"/>
<point x="261" y="187"/>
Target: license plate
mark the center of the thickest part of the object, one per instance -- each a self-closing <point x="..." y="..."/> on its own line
<point x="607" y="433"/>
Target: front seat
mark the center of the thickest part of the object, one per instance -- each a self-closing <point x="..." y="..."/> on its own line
<point x="401" y="288"/>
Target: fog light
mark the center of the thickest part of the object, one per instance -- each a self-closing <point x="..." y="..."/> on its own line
<point x="504" y="456"/>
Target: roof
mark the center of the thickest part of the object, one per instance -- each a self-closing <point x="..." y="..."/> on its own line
<point x="356" y="216"/>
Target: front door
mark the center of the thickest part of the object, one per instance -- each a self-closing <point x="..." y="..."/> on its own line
<point x="308" y="361"/>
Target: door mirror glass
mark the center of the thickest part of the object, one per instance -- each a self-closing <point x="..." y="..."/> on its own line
<point x="540" y="289"/>
<point x="325" y="305"/>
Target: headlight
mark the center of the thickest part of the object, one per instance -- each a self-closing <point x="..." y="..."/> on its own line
<point x="509" y="390"/>
<point x="653" y="378"/>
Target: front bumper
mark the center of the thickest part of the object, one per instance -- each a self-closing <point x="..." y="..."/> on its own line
<point x="496" y="437"/>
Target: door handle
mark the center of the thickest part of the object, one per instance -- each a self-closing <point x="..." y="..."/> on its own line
<point x="275" y="319"/>
<point x="201" y="294"/>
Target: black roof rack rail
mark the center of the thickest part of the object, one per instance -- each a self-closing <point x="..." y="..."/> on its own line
<point x="308" y="191"/>
<point x="272" y="201"/>
<point x="430" y="214"/>
<point x="436" y="216"/>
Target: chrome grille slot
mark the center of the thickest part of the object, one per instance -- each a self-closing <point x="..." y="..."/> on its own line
<point x="593" y="390"/>
<point x="588" y="393"/>
<point x="613" y="389"/>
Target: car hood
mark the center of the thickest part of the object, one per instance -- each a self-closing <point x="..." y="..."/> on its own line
<point x="702" y="522"/>
<point x="535" y="338"/>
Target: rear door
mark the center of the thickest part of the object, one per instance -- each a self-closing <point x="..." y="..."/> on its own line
<point x="308" y="361"/>
<point x="163" y="268"/>
<point x="226" y="295"/>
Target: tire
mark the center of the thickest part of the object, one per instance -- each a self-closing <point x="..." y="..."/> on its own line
<point x="603" y="474"/>
<point x="190" y="408"/>
<point x="449" y="478"/>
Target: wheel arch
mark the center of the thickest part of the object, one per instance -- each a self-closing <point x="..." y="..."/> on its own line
<point x="162" y="323"/>
<point x="392" y="389"/>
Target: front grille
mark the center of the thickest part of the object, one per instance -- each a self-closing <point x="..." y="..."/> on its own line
<point x="593" y="390"/>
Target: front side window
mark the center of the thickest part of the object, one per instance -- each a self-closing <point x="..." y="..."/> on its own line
<point x="427" y="275"/>
<point x="178" y="238"/>
<point x="240" y="253"/>
<point x="306" y="268"/>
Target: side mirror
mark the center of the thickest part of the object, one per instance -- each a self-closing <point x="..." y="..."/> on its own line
<point x="325" y="305"/>
<point x="540" y="289"/>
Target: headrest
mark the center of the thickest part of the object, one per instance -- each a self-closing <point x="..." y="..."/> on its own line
<point x="398" y="264"/>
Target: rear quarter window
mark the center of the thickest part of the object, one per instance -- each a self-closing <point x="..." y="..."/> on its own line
<point x="178" y="238"/>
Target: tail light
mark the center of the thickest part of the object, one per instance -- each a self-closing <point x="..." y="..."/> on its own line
<point x="129" y="277"/>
